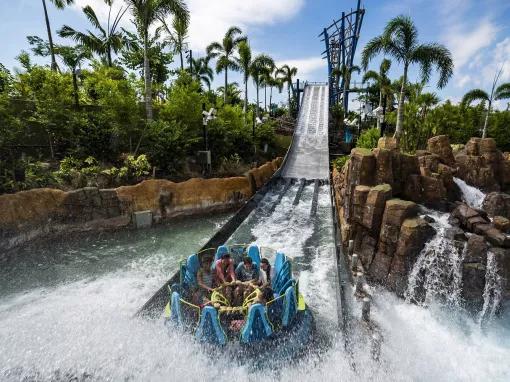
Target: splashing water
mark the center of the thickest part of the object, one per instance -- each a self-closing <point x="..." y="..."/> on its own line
<point x="492" y="291"/>
<point x="437" y="273"/>
<point x="471" y="195"/>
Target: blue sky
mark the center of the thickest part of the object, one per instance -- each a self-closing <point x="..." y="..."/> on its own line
<point x="477" y="32"/>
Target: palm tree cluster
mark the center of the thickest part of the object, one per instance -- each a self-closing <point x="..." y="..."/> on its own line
<point x="232" y="53"/>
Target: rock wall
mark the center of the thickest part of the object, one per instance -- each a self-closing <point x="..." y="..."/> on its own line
<point x="377" y="194"/>
<point x="30" y="214"/>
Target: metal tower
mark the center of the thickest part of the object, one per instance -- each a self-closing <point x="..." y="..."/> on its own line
<point x="341" y="39"/>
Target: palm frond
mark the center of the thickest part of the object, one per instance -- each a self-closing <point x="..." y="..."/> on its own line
<point x="370" y="75"/>
<point x="474" y="95"/>
<point x="429" y="55"/>
<point x="372" y="49"/>
<point x="502" y="91"/>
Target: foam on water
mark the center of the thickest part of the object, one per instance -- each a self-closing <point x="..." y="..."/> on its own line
<point x="471" y="195"/>
<point x="84" y="327"/>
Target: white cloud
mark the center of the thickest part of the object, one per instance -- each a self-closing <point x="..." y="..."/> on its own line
<point x="466" y="42"/>
<point x="210" y="19"/>
<point x="306" y="66"/>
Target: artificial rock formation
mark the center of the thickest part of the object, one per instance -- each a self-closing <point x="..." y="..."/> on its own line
<point x="30" y="214"/>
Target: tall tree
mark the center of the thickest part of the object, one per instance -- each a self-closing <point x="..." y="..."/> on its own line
<point x="73" y="57"/>
<point x="202" y="72"/>
<point x="382" y="82"/>
<point x="224" y="51"/>
<point x="146" y="13"/>
<point x="400" y="40"/>
<point x="497" y="93"/>
<point x="345" y="72"/>
<point x="177" y="35"/>
<point x="244" y="62"/>
<point x="107" y="40"/>
<point x="261" y="65"/>
<point x="60" y="4"/>
<point x="287" y="74"/>
<point x="274" y="82"/>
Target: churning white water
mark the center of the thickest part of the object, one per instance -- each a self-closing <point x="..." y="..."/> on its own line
<point x="493" y="289"/>
<point x="471" y="195"/>
<point x="436" y="274"/>
<point x="66" y="313"/>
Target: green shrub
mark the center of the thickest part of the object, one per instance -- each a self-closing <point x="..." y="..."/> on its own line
<point x="368" y="139"/>
<point x="340" y="162"/>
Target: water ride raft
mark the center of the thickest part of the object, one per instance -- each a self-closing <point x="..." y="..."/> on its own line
<point x="280" y="320"/>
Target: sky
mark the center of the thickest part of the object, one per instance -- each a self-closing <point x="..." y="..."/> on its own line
<point x="476" y="32"/>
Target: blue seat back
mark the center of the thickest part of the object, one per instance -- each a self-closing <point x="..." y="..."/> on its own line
<point x="256" y="327"/>
<point x="175" y="309"/>
<point x="282" y="277"/>
<point x="192" y="267"/>
<point x="278" y="263"/>
<point x="254" y="253"/>
<point x="209" y="328"/>
<point x="289" y="306"/>
<point x="283" y="288"/>
<point x="275" y="312"/>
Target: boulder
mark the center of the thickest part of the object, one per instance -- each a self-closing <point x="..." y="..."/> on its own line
<point x="384" y="167"/>
<point x="414" y="233"/>
<point x="496" y="237"/>
<point x="473" y="285"/>
<point x="440" y="145"/>
<point x="463" y="213"/>
<point x="388" y="143"/>
<point x="374" y="207"/>
<point x="412" y="189"/>
<point x="487" y="145"/>
<point x="368" y="247"/>
<point x="362" y="167"/>
<point x="358" y="202"/>
<point x="395" y="212"/>
<point x="433" y="190"/>
<point x="501" y="223"/>
<point x="497" y="204"/>
<point x="502" y="257"/>
<point x="429" y="162"/>
<point x="472" y="146"/>
<point x="476" y="250"/>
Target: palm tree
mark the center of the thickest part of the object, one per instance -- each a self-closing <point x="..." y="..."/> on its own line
<point x="274" y="82"/>
<point x="382" y="82"/>
<point x="60" y="4"/>
<point x="224" y="51"/>
<point x="177" y="35"/>
<point x="259" y="67"/>
<point x="286" y="74"/>
<point x="146" y="12"/>
<point x="202" y="72"/>
<point x="244" y="62"/>
<point x="106" y="41"/>
<point x="73" y="56"/>
<point x="400" y="40"/>
<point x="501" y="92"/>
<point x="233" y="93"/>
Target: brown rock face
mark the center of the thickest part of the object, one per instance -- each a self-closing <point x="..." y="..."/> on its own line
<point x="388" y="143"/>
<point x="384" y="167"/>
<point x="374" y="207"/>
<point x="440" y="145"/>
<point x="497" y="204"/>
<point x="433" y="189"/>
<point x="501" y="223"/>
<point x="358" y="202"/>
<point x="476" y="250"/>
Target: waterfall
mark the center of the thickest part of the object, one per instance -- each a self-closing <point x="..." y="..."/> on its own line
<point x="471" y="195"/>
<point x="437" y="273"/>
<point x="492" y="290"/>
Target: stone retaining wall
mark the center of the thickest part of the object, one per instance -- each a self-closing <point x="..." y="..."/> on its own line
<point x="30" y="214"/>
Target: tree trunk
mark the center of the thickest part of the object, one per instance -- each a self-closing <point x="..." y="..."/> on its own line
<point x="50" y="140"/>
<point x="400" y="111"/>
<point x="380" y="105"/>
<point x="484" y="131"/>
<point x="182" y="59"/>
<point x="54" y="65"/>
<point x="270" y="99"/>
<point x="257" y="86"/>
<point x="75" y="88"/>
<point x="109" y="56"/>
<point x="245" y="107"/>
<point x="147" y="75"/>
<point x="265" y="99"/>
<point x="226" y="83"/>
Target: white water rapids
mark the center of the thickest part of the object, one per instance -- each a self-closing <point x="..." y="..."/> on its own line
<point x="471" y="195"/>
<point x="66" y="313"/>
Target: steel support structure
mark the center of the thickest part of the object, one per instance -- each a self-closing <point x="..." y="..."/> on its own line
<point x="341" y="39"/>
